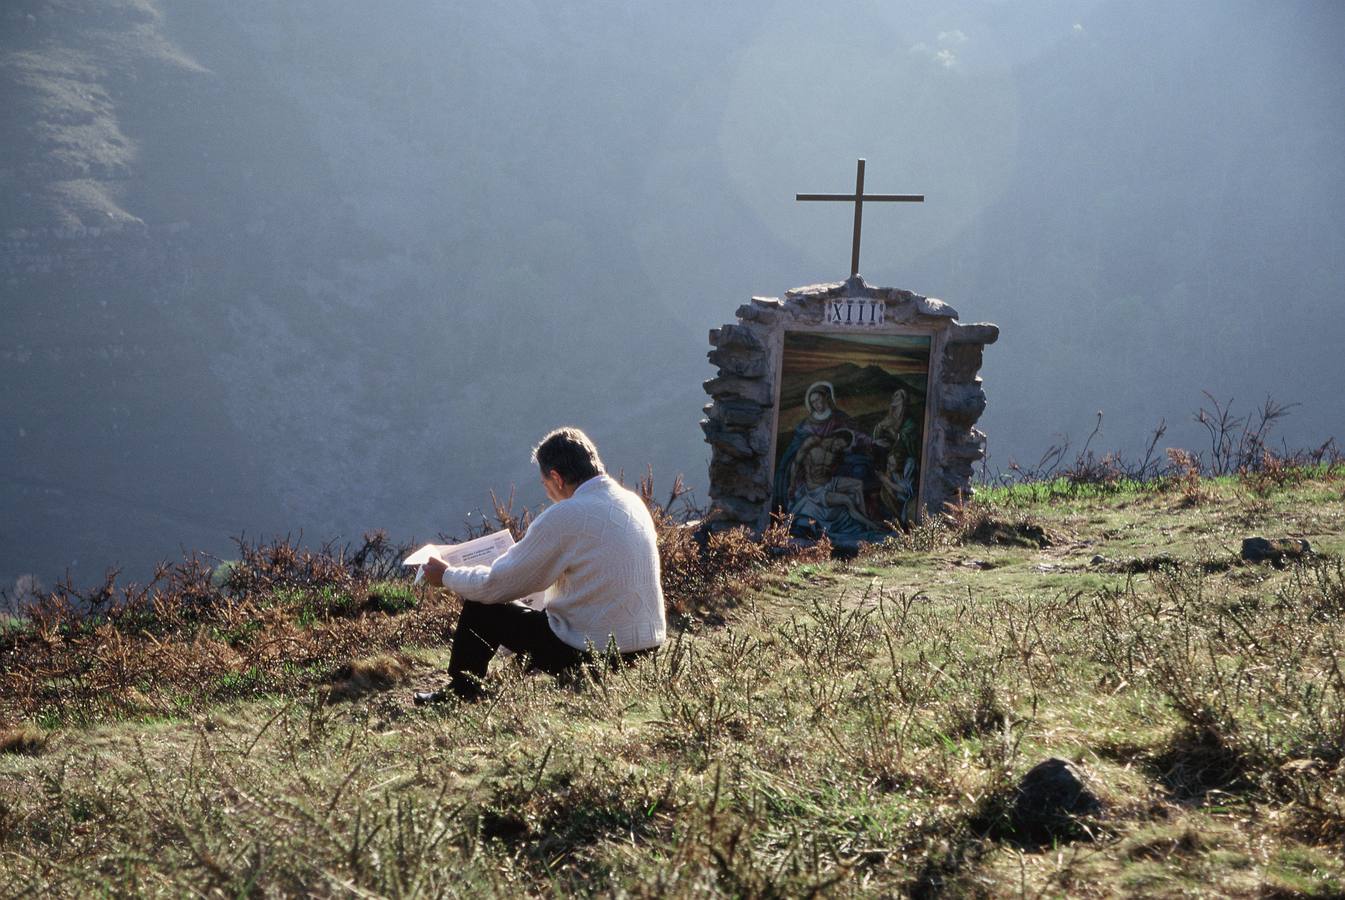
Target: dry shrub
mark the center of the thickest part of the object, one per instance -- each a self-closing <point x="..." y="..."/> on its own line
<point x="1107" y="471"/>
<point x="26" y="739"/>
<point x="705" y="570"/>
<point x="980" y="711"/>
<point x="701" y="573"/>
<point x="559" y="808"/>
<point x="931" y="534"/>
<point x="284" y="618"/>
<point x="1184" y="476"/>
<point x="1273" y="473"/>
<point x="269" y="567"/>
<point x="1315" y="798"/>
<point x="1238" y="442"/>
<point x="1089" y="473"/>
<point x="970" y="520"/>
<point x="371" y="673"/>
<point x="281" y="618"/>
<point x="1165" y="846"/>
<point x="504" y="517"/>
<point x="730" y="562"/>
<point x="1318" y="584"/>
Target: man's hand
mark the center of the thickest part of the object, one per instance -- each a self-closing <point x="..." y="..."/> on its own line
<point x="434" y="571"/>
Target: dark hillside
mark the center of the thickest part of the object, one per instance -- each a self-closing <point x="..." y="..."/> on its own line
<point x="310" y="267"/>
<point x="215" y="291"/>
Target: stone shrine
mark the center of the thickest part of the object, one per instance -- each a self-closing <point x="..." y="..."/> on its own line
<point x="850" y="407"/>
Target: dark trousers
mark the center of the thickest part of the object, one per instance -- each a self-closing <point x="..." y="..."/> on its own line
<point x="484" y="627"/>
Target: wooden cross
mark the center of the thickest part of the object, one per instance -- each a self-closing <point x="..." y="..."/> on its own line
<point x="858" y="197"/>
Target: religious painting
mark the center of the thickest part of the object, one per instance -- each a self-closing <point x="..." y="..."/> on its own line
<point x="850" y="433"/>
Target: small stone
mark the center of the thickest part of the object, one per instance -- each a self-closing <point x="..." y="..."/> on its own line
<point x="738" y="478"/>
<point x="930" y="306"/>
<point x="961" y="362"/>
<point x="753" y="312"/>
<point x="736" y="337"/>
<point x="754" y="390"/>
<point x="736" y="412"/>
<point x="735" y="444"/>
<point x="967" y="447"/>
<point x="812" y="290"/>
<point x="977" y="333"/>
<point x="759" y="438"/>
<point x="962" y="403"/>
<point x="1312" y="767"/>
<point x="735" y="362"/>
<point x="736" y="509"/>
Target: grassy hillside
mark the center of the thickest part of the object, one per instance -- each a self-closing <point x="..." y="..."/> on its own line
<point x="815" y="726"/>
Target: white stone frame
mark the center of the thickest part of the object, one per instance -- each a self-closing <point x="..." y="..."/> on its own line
<point x="742" y="418"/>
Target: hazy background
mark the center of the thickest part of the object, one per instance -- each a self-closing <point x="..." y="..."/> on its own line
<point x="323" y="267"/>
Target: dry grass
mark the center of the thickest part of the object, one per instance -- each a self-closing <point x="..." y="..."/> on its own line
<point x="283" y="619"/>
<point x="849" y="728"/>
<point x="372" y="673"/>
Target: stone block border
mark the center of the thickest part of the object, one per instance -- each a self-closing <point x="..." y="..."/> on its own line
<point x="740" y="419"/>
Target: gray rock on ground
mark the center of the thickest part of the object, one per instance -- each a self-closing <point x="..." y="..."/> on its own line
<point x="1274" y="550"/>
<point x="1053" y="799"/>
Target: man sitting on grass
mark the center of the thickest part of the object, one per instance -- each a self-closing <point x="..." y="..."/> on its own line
<point x="594" y="552"/>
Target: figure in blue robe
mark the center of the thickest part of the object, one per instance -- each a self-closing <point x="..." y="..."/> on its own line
<point x="823" y="420"/>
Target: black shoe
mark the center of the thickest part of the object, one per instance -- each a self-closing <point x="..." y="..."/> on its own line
<point x="421" y="698"/>
<point x="468" y="692"/>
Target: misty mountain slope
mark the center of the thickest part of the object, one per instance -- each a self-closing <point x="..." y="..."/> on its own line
<point x="351" y="321"/>
<point x="67" y="73"/>
<point x="1173" y="225"/>
<point x="455" y="288"/>
<point x="106" y="400"/>
<point x="332" y="266"/>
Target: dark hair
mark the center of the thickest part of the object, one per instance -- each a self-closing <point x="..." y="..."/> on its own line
<point x="569" y="452"/>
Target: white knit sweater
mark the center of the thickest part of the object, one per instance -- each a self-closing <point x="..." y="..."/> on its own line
<point x="596" y="556"/>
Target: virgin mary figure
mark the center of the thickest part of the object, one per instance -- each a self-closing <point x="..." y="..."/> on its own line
<point x="822" y="420"/>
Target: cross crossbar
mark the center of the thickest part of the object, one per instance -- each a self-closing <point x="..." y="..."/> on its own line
<point x="858" y="198"/>
<point x="909" y="198"/>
